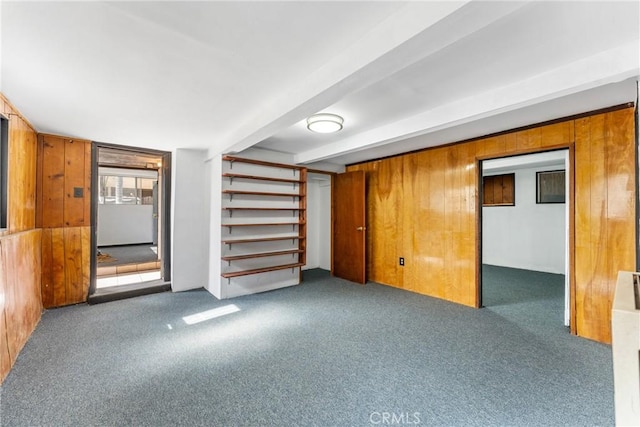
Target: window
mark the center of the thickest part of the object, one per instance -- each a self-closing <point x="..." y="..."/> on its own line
<point x="126" y="189"/>
<point x="4" y="144"/>
<point x="499" y="190"/>
<point x="550" y="187"/>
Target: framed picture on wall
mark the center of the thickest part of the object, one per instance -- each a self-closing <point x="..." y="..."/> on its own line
<point x="551" y="187"/>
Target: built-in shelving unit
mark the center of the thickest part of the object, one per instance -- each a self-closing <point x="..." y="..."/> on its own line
<point x="263" y="225"/>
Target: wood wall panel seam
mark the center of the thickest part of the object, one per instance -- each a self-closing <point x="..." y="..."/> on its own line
<point x="39" y="191"/>
<point x="3" y="278"/>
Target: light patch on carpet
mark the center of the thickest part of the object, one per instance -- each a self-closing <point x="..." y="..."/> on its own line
<point x="210" y="314"/>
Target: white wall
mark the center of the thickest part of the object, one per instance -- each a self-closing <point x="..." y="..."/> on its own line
<point x="313" y="225"/>
<point x="318" y="222"/>
<point x="325" y="226"/>
<point x="190" y="219"/>
<point x="214" y="166"/>
<point x="1" y="68"/>
<point x="528" y="235"/>
<point x="124" y="224"/>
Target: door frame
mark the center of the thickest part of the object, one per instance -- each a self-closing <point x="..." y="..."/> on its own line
<point x="570" y="238"/>
<point x="165" y="220"/>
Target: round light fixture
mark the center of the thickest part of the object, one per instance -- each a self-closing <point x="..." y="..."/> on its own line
<point x="324" y="123"/>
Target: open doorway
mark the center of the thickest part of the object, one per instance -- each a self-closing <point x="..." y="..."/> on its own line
<point x="318" y="222"/>
<point x="525" y="238"/>
<point x="130" y="211"/>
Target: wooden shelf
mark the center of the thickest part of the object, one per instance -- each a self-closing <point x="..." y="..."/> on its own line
<point x="261" y="255"/>
<point x="260" y="270"/>
<point x="230" y="208"/>
<point x="262" y="193"/>
<point x="260" y="178"/>
<point x="264" y="239"/>
<point x="260" y="162"/>
<point x="264" y="224"/>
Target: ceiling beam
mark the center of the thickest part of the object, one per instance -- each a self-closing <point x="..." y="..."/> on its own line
<point x="611" y="66"/>
<point x="416" y="31"/>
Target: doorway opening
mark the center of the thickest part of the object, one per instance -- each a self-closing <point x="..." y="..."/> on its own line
<point x="524" y="244"/>
<point x="318" y="221"/>
<point x="130" y="210"/>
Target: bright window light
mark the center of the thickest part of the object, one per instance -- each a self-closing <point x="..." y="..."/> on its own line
<point x="210" y="314"/>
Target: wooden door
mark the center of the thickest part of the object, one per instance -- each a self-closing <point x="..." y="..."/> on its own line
<point x="349" y="226"/>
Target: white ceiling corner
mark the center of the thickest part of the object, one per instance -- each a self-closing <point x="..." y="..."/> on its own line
<point x="226" y="76"/>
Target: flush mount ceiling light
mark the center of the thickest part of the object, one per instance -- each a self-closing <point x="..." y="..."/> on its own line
<point x="324" y="123"/>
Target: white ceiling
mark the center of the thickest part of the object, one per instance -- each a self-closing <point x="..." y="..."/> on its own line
<point x="225" y="76"/>
<point x="555" y="159"/>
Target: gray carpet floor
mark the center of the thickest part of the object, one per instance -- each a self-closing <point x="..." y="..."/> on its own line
<point x="325" y="353"/>
<point x="531" y="299"/>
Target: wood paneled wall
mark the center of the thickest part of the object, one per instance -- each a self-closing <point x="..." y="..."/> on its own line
<point x="20" y="285"/>
<point x="65" y="165"/>
<point x="65" y="265"/>
<point x="605" y="215"/>
<point x="423" y="206"/>
<point x="65" y="168"/>
<point x="20" y="301"/>
<point x="21" y="175"/>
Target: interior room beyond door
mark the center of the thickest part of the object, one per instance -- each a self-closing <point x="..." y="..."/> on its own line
<point x="525" y="243"/>
<point x="128" y="239"/>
